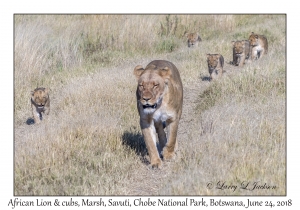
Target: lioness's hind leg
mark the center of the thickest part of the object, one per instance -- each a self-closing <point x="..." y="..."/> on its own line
<point x="169" y="149"/>
<point x="161" y="135"/>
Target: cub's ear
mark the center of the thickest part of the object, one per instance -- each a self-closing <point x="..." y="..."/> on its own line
<point x="256" y="36"/>
<point x="251" y="33"/>
<point x="165" y="73"/>
<point x="232" y="42"/>
<point x="186" y="34"/>
<point x="32" y="92"/>
<point x="207" y="55"/>
<point x="138" y="70"/>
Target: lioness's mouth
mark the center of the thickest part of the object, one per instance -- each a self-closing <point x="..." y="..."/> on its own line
<point x="150" y="106"/>
<point x="40" y="107"/>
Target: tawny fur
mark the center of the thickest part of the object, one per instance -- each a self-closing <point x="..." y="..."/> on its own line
<point x="259" y="45"/>
<point x="241" y="52"/>
<point x="193" y="39"/>
<point x="215" y="64"/>
<point x="159" y="97"/>
<point x="40" y="103"/>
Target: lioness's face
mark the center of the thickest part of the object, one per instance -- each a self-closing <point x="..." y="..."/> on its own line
<point x="150" y="92"/>
<point x="40" y="98"/>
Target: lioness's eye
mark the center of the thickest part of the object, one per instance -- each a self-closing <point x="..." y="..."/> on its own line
<point x="155" y="85"/>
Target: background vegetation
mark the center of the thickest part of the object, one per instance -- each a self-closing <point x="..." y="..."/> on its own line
<point x="232" y="130"/>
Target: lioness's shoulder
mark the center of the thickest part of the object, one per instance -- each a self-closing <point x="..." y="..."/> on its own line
<point x="161" y="64"/>
<point x="159" y="68"/>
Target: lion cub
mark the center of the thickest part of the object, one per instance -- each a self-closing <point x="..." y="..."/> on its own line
<point x="215" y="64"/>
<point x="159" y="96"/>
<point x="259" y="45"/>
<point x="40" y="103"/>
<point x="193" y="39"/>
<point x="241" y="52"/>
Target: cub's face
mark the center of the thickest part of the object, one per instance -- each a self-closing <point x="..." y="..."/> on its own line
<point x="238" y="47"/>
<point x="150" y="91"/>
<point x="193" y="39"/>
<point x="212" y="61"/>
<point x="253" y="39"/>
<point x="40" y="97"/>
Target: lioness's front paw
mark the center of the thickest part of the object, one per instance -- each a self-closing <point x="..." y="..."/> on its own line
<point x="167" y="155"/>
<point x="156" y="163"/>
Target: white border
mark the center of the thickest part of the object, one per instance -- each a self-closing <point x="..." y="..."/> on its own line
<point x="8" y="8"/>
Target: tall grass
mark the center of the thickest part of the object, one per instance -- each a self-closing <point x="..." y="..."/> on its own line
<point x="232" y="129"/>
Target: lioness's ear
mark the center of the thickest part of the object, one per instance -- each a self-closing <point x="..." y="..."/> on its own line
<point x="138" y="70"/>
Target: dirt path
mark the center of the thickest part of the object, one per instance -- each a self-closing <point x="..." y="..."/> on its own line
<point x="147" y="181"/>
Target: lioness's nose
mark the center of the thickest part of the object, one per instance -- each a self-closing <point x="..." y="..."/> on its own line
<point x="146" y="98"/>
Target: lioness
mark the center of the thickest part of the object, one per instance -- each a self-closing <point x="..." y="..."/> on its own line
<point x="259" y="45"/>
<point x="40" y="102"/>
<point x="159" y="97"/>
<point x="193" y="39"/>
<point x="241" y="52"/>
<point x="215" y="64"/>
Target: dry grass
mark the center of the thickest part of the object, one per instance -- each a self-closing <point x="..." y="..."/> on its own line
<point x="232" y="130"/>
